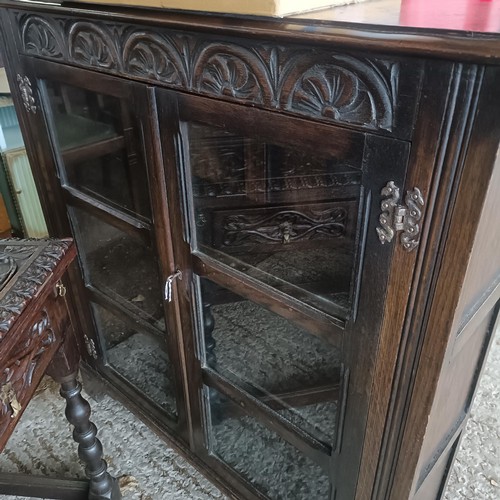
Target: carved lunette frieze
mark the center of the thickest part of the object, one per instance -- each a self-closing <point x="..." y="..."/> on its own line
<point x="318" y="83"/>
<point x="26" y="285"/>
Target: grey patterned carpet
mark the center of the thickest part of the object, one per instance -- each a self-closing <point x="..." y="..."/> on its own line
<point x="153" y="471"/>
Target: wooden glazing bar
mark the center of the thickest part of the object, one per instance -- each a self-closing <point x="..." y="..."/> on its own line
<point x="318" y="451"/>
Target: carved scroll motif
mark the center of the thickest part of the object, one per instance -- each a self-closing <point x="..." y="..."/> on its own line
<point x="284" y="227"/>
<point x="20" y="365"/>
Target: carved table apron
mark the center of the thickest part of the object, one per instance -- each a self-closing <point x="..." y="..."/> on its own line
<point x="36" y="338"/>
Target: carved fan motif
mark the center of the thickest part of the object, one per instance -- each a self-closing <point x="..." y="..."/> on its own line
<point x="229" y="76"/>
<point x="40" y="39"/>
<point x="151" y="56"/>
<point x="329" y="86"/>
<point x="335" y="92"/>
<point x="89" y="44"/>
<point x="230" y="71"/>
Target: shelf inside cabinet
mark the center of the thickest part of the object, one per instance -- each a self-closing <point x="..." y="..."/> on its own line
<point x="75" y="132"/>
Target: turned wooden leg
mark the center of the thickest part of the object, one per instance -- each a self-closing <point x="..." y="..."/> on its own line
<point x="102" y="485"/>
<point x="64" y="369"/>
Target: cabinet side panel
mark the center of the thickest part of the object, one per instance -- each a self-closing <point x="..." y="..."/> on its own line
<point x="483" y="271"/>
<point x="434" y="483"/>
<point x="454" y="395"/>
<point x="430" y="424"/>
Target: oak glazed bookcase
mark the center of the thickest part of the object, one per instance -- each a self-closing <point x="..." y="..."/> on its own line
<point x="286" y="229"/>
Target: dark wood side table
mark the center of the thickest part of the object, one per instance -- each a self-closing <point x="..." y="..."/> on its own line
<point x="36" y="338"/>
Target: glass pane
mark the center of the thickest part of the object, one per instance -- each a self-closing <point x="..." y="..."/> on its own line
<point x="297" y="374"/>
<point x="97" y="141"/>
<point x="119" y="265"/>
<point x="139" y="357"/>
<point x="270" y="463"/>
<point x="285" y="216"/>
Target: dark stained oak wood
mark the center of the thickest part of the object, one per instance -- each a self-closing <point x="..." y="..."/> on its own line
<point x="63" y="489"/>
<point x="472" y="187"/>
<point x="265" y="138"/>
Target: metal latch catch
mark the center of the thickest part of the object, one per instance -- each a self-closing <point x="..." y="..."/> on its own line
<point x="396" y="217"/>
<point x="168" y="284"/>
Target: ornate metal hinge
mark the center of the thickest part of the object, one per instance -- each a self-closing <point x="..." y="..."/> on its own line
<point x="26" y="93"/>
<point x="395" y="217"/>
<point x="90" y="346"/>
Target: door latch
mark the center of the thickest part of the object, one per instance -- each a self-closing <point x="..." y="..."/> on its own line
<point x="396" y="217"/>
<point x="61" y="289"/>
<point x="168" y="284"/>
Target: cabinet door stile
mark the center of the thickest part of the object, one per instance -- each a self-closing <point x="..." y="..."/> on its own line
<point x="164" y="222"/>
<point x="384" y="160"/>
<point x="179" y="310"/>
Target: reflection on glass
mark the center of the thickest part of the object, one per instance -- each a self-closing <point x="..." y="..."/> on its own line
<point x="96" y="138"/>
<point x="295" y="373"/>
<point x="139" y="357"/>
<point x="261" y="456"/>
<point x="285" y="216"/>
<point x="119" y="265"/>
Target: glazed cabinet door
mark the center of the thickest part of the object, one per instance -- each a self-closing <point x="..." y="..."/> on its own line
<point x="281" y="273"/>
<point x="99" y="132"/>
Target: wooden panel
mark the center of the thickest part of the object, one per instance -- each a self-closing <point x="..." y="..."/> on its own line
<point x="434" y="483"/>
<point x="480" y="279"/>
<point x="454" y="393"/>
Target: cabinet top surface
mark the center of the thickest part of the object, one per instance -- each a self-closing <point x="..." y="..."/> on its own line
<point x="473" y="16"/>
<point x="467" y="30"/>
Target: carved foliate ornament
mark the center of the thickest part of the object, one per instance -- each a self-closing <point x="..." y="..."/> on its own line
<point x="26" y="285"/>
<point x="324" y="85"/>
<point x="284" y="227"/>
